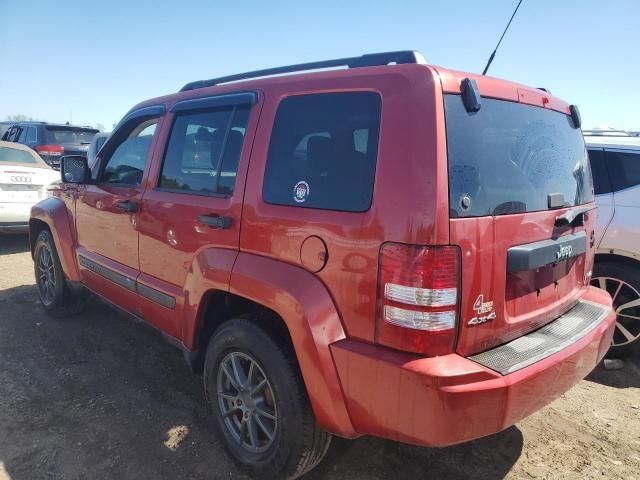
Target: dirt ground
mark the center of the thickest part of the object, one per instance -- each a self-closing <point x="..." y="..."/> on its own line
<point x="102" y="396"/>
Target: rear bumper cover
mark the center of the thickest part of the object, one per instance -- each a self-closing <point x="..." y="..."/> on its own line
<point x="451" y="399"/>
<point x="15" y="213"/>
<point x="14" y="227"/>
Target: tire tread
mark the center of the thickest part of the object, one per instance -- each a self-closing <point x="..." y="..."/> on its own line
<point x="69" y="303"/>
<point x="311" y="446"/>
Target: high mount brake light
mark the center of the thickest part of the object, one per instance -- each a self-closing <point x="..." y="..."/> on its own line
<point x="418" y="295"/>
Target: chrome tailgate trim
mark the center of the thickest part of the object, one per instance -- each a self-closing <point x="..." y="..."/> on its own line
<point x="544" y="342"/>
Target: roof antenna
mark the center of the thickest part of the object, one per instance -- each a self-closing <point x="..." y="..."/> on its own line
<point x="484" y="72"/>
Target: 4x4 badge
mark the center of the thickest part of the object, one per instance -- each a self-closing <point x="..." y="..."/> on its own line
<point x="484" y="311"/>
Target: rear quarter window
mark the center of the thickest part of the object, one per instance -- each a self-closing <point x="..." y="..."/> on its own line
<point x="323" y="151"/>
<point x="32" y="135"/>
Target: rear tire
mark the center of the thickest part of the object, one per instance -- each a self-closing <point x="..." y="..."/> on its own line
<point x="623" y="284"/>
<point x="56" y="297"/>
<point x="286" y="441"/>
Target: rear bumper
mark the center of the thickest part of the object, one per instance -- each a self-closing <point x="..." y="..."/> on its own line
<point x="13" y="213"/>
<point x="14" y="228"/>
<point x="451" y="399"/>
<point x="14" y="217"/>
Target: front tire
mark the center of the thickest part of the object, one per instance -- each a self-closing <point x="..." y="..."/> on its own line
<point x="259" y="403"/>
<point x="623" y="284"/>
<point x="56" y="296"/>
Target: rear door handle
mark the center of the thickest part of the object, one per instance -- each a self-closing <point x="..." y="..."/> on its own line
<point x="127" y="206"/>
<point x="215" y="221"/>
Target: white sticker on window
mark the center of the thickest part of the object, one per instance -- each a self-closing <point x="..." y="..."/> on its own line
<point x="301" y="191"/>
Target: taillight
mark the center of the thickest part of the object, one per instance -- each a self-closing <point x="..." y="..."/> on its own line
<point x="54" y="150"/>
<point x="418" y="292"/>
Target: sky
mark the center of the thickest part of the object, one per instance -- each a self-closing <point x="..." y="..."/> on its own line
<point x="90" y="62"/>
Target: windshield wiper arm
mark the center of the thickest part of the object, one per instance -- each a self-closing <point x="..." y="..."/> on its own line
<point x="569" y="217"/>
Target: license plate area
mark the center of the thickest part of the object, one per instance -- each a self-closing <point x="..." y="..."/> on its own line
<point x="19" y="196"/>
<point x="543" y="278"/>
<point x="546" y="252"/>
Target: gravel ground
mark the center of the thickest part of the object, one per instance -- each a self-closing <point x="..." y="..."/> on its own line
<point x="101" y="396"/>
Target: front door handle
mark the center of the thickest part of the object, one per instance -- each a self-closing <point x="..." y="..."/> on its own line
<point x="215" y="221"/>
<point x="127" y="206"/>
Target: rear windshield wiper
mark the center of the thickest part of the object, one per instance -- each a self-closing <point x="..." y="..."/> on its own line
<point x="568" y="218"/>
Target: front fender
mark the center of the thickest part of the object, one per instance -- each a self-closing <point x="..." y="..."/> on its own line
<point x="54" y="213"/>
<point x="307" y="308"/>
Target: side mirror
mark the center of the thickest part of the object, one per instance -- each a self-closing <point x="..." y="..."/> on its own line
<point x="74" y="169"/>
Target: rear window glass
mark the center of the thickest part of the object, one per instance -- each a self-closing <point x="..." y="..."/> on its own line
<point x="323" y="151"/>
<point x="69" y="136"/>
<point x="508" y="157"/>
<point x="11" y="155"/>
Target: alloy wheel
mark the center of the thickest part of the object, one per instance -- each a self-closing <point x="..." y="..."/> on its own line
<point x="46" y="276"/>
<point x="626" y="303"/>
<point x="246" y="402"/>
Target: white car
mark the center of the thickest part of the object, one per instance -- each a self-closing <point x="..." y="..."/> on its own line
<point x="615" y="163"/>
<point x="25" y="179"/>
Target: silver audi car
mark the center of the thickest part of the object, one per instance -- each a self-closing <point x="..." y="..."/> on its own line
<point x="615" y="163"/>
<point x="25" y="179"/>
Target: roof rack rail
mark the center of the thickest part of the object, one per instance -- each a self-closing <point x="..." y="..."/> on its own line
<point x="606" y="132"/>
<point x="368" y="60"/>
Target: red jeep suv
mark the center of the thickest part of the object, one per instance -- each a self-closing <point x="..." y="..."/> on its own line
<point x="388" y="249"/>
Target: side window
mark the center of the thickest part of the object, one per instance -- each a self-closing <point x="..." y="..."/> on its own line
<point x="32" y="136"/>
<point x="22" y="136"/>
<point x="624" y="169"/>
<point x="126" y="163"/>
<point x="601" y="184"/>
<point x="203" y="151"/>
<point x="323" y="151"/>
<point x="8" y="136"/>
<point x="14" y="134"/>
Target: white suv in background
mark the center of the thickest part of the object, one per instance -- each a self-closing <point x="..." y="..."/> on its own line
<point x="615" y="162"/>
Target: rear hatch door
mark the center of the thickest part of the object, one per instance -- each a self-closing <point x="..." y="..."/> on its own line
<point x="518" y="175"/>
